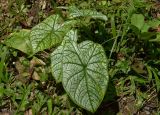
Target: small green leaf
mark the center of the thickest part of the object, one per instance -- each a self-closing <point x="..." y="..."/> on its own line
<point x="154" y="23"/>
<point x="49" y="105"/>
<point x="157" y="39"/>
<point x="137" y="20"/>
<point x="149" y="73"/>
<point x="150" y="24"/>
<point x="84" y="73"/>
<point x="157" y="80"/>
<point x="145" y="28"/>
<point x="74" y="12"/>
<point x="49" y="33"/>
<point x="20" y="40"/>
<point x="147" y="35"/>
<point x="2" y="90"/>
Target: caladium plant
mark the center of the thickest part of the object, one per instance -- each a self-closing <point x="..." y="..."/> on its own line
<point x="81" y="67"/>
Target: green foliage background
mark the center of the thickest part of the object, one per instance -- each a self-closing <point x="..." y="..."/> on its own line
<point x="129" y="35"/>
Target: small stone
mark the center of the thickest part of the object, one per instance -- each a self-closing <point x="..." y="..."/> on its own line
<point x="146" y="108"/>
<point x="147" y="112"/>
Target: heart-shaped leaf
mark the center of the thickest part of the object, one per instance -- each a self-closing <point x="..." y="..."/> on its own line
<point x="20" y="40"/>
<point x="83" y="71"/>
<point x="50" y="32"/>
<point x="137" y="20"/>
<point x="74" y="12"/>
<point x="57" y="56"/>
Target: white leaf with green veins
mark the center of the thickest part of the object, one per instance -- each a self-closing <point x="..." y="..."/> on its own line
<point x="75" y="12"/>
<point x="57" y="63"/>
<point x="49" y="33"/>
<point x="84" y="72"/>
<point x="57" y="56"/>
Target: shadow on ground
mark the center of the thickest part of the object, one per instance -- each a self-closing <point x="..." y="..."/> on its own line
<point x="109" y="105"/>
